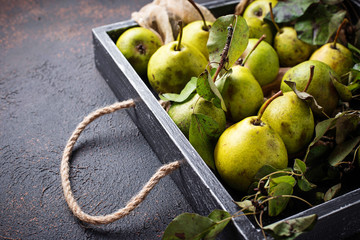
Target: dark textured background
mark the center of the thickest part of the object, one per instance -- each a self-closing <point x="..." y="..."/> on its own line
<point x="48" y="83"/>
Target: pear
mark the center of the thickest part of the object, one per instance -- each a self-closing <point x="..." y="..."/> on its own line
<point x="290" y="49"/>
<point x="138" y="44"/>
<point x="173" y="65"/>
<point x="242" y="94"/>
<point x="263" y="62"/>
<point x="258" y="8"/>
<point x="292" y="119"/>
<point x="339" y="58"/>
<point x="197" y="35"/>
<point x="257" y="28"/>
<point x="321" y="87"/>
<point x="244" y="148"/>
<point x="180" y="113"/>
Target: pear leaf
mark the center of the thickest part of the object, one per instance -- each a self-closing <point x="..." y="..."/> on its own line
<point x="290" y="229"/>
<point x="318" y="152"/>
<point x="222" y="218"/>
<point x="344" y="92"/>
<point x="332" y="2"/>
<point x="221" y="82"/>
<point x="342" y="150"/>
<point x="183" y="95"/>
<point x="299" y="166"/>
<point x="218" y="37"/>
<point x="206" y="88"/>
<point x="331" y="193"/>
<point x="318" y="30"/>
<point x="279" y="203"/>
<point x="266" y="170"/>
<point x="320" y="129"/>
<point x="188" y="226"/>
<point x="346" y="126"/>
<point x="286" y="11"/>
<point x="201" y="134"/>
<point x="277" y="180"/>
<point x="305" y="185"/>
<point x="308" y="98"/>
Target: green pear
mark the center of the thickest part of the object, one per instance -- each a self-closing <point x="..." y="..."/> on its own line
<point x="292" y="119"/>
<point x="257" y="28"/>
<point x="173" y="65"/>
<point x="258" y="8"/>
<point x="244" y="148"/>
<point x="242" y="94"/>
<point x="290" y="49"/>
<point x="195" y="34"/>
<point x="180" y="113"/>
<point x="321" y="87"/>
<point x="138" y="44"/>
<point x="263" y="61"/>
<point x="339" y="58"/>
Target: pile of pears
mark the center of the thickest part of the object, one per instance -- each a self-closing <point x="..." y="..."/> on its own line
<point x="251" y="129"/>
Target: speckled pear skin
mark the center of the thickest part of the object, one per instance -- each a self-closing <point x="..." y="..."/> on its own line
<point x="194" y="35"/>
<point x="180" y="113"/>
<point x="321" y="87"/>
<point x="257" y="28"/>
<point x="292" y="119"/>
<point x="244" y="148"/>
<point x="138" y="44"/>
<point x="339" y="58"/>
<point x="242" y="94"/>
<point x="169" y="70"/>
<point x="290" y="49"/>
<point x="263" y="61"/>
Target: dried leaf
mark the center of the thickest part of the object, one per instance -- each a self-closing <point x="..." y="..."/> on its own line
<point x="331" y="193"/>
<point x="290" y="229"/>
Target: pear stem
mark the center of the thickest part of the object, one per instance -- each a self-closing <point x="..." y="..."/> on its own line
<point x="254" y="47"/>
<point x="273" y="19"/>
<point x="338" y="32"/>
<point x="205" y="27"/>
<point x="178" y="46"/>
<point x="266" y="104"/>
<point x="310" y="78"/>
<point x="224" y="54"/>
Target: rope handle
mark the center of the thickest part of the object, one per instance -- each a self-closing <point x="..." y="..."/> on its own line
<point x="65" y="169"/>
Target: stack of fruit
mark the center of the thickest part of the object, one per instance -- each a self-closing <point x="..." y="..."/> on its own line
<point x="263" y="146"/>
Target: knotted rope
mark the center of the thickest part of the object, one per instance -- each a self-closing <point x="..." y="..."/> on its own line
<point x="65" y="169"/>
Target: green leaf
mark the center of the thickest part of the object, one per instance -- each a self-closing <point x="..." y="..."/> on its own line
<point x="309" y="99"/>
<point x="184" y="94"/>
<point x="218" y="36"/>
<point x="222" y="218"/>
<point x="221" y="82"/>
<point x="279" y="203"/>
<point x="299" y="166"/>
<point x="305" y="185"/>
<point x="206" y="88"/>
<point x="318" y="30"/>
<point x="188" y="226"/>
<point x="342" y="150"/>
<point x="199" y="137"/>
<point x="318" y="152"/>
<point x="346" y="126"/>
<point x="344" y="92"/>
<point x="266" y="170"/>
<point x="274" y="181"/>
<point x="290" y="229"/>
<point x="331" y="193"/>
<point x="286" y="11"/>
<point x="320" y="129"/>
